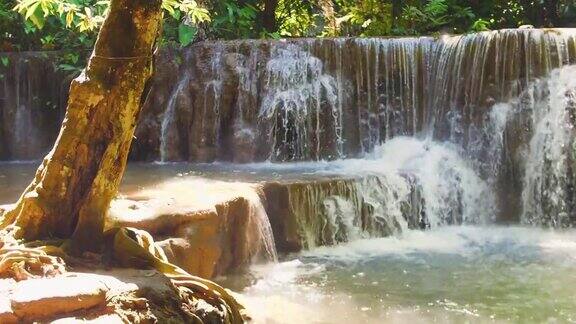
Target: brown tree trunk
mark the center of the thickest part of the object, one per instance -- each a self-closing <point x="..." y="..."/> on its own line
<point x="71" y="192"/>
<point x="268" y="16"/>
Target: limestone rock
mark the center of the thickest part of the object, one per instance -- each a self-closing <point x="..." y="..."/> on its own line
<point x="44" y="298"/>
<point x="207" y="232"/>
<point x="97" y="296"/>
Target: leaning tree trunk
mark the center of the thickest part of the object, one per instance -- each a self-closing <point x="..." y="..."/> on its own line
<point x="72" y="190"/>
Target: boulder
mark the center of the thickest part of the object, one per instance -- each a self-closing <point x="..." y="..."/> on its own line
<point x="206" y="227"/>
<point x="46" y="297"/>
<point x="97" y="296"/>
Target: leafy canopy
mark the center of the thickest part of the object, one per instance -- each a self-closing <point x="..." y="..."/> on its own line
<point x="72" y="24"/>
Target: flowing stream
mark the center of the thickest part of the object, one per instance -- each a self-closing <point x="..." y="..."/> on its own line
<point x="455" y="274"/>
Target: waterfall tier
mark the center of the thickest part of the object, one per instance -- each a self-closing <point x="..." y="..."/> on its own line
<point x="317" y="99"/>
<point x="302" y="99"/>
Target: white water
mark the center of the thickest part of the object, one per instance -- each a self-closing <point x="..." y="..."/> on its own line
<point x="452" y="191"/>
<point x="296" y="87"/>
<point x="168" y="126"/>
<point x="548" y="182"/>
<point x="449" y="275"/>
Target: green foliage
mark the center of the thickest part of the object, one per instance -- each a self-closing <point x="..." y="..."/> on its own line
<point x="481" y="25"/>
<point x="298" y="19"/>
<point x="71" y="25"/>
<point x="234" y="20"/>
<point x="67" y="24"/>
<point x="365" y="18"/>
<point x="435" y="16"/>
<point x="186" y="34"/>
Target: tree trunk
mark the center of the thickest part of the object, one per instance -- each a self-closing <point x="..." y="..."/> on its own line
<point x="396" y="11"/>
<point x="72" y="190"/>
<point x="268" y="16"/>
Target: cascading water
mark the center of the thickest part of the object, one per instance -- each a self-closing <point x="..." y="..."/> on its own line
<point x="168" y="131"/>
<point x="325" y="99"/>
<point x="296" y="91"/>
<point x="549" y="184"/>
<point x="451" y="191"/>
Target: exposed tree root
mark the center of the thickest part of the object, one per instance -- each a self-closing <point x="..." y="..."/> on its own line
<point x="203" y="301"/>
<point x="21" y="263"/>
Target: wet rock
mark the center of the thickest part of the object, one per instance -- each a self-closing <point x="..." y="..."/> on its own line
<point x="207" y="232"/>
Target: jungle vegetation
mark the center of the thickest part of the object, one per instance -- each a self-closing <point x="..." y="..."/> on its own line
<point x="73" y="24"/>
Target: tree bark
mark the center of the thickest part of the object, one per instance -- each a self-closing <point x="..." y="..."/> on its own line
<point x="72" y="189"/>
<point x="268" y="16"/>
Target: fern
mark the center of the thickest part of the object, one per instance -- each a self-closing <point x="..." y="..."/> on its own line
<point x="436" y="8"/>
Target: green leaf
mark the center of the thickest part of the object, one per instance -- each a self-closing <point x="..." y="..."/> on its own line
<point x="186" y="34"/>
<point x="5" y="61"/>
<point x="31" y="10"/>
<point x="38" y="19"/>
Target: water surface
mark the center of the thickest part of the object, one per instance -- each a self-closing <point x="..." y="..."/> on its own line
<point x="449" y="274"/>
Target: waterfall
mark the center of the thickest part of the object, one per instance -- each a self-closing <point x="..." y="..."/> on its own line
<point x="451" y="190"/>
<point x="405" y="183"/>
<point x="548" y="195"/>
<point x="259" y="218"/>
<point x="322" y="99"/>
<point x="296" y="89"/>
<point x="326" y="99"/>
<point x="31" y="105"/>
<point x="168" y="131"/>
